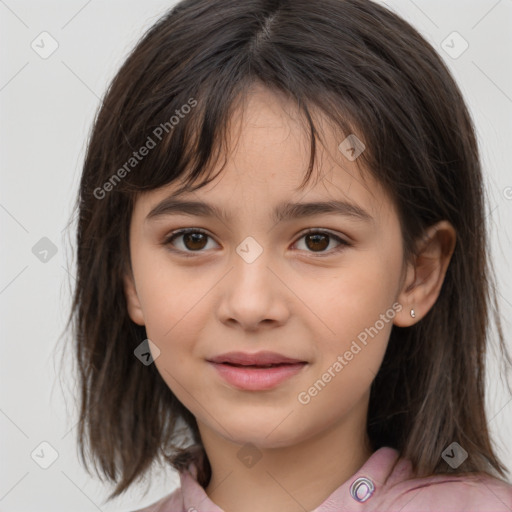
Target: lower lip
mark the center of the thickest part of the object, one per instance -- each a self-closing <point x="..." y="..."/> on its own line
<point x="257" y="379"/>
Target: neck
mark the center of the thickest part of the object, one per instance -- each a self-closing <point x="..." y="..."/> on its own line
<point x="294" y="478"/>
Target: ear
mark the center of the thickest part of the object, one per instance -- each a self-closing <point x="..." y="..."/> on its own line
<point x="425" y="274"/>
<point x="132" y="299"/>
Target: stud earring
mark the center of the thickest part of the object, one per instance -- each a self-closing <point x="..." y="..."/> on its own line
<point x="413" y="313"/>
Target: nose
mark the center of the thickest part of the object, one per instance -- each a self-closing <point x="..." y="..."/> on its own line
<point x="253" y="294"/>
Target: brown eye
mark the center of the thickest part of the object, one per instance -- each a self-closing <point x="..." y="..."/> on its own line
<point x="192" y="240"/>
<point x="317" y="241"/>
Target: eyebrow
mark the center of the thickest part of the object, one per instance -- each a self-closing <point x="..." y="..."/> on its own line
<point x="283" y="211"/>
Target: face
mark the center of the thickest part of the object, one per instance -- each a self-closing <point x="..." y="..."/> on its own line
<point x="245" y="281"/>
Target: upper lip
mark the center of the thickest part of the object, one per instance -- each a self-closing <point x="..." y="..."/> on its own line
<point x="256" y="359"/>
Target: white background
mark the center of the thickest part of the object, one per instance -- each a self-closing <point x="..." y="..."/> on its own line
<point x="46" y="110"/>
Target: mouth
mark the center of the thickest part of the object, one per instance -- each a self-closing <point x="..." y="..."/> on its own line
<point x="259" y="359"/>
<point x="252" y="377"/>
<point x="256" y="366"/>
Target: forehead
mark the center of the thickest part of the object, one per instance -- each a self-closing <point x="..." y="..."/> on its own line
<point x="268" y="154"/>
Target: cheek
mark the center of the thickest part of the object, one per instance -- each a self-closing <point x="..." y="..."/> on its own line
<point x="354" y="296"/>
<point x="175" y="304"/>
<point x="167" y="292"/>
<point x="354" y="316"/>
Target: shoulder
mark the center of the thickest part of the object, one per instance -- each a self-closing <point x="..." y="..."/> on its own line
<point x="172" y="501"/>
<point x="476" y="492"/>
<point x="184" y="497"/>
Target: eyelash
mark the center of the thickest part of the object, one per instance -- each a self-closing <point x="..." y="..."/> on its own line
<point x="190" y="254"/>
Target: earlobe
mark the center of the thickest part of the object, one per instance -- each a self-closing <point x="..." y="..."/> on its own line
<point x="425" y="275"/>
<point x="132" y="300"/>
<point x="406" y="298"/>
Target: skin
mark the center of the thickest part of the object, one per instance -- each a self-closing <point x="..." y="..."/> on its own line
<point x="290" y="300"/>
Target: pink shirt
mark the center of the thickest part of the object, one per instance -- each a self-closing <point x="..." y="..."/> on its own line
<point x="378" y="485"/>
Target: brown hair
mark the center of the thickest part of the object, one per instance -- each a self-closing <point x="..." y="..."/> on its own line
<point x="371" y="74"/>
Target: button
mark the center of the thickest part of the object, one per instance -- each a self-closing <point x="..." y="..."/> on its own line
<point x="361" y="489"/>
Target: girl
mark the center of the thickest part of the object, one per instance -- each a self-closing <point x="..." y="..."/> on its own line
<point x="304" y="328"/>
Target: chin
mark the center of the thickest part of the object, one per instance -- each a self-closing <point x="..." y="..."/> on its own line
<point x="263" y="435"/>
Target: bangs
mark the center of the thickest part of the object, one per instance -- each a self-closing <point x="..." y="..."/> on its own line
<point x="187" y="137"/>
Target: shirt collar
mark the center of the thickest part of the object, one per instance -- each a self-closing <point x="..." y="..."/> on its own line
<point x="362" y="486"/>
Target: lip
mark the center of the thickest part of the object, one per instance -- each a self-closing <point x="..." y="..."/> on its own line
<point x="257" y="379"/>
<point x="250" y="371"/>
<point x="258" y="358"/>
